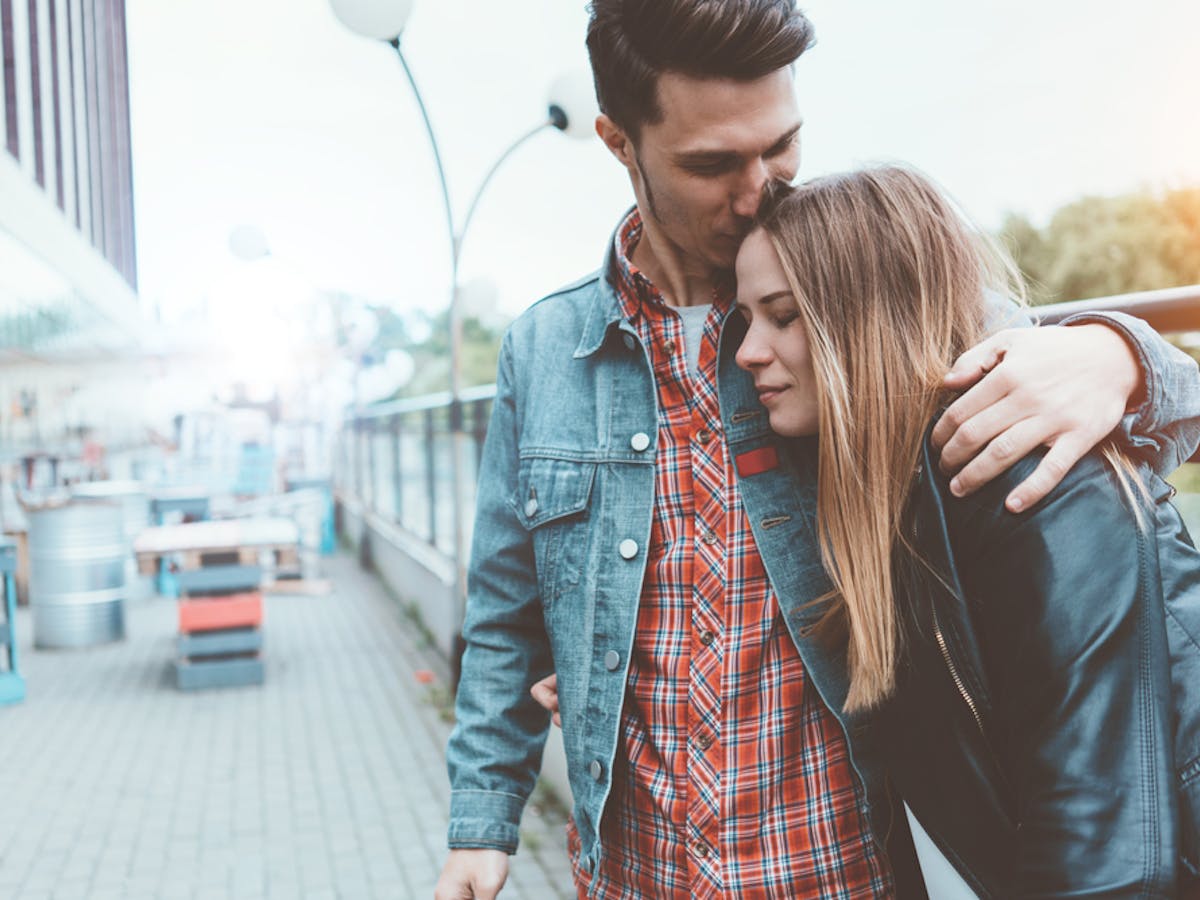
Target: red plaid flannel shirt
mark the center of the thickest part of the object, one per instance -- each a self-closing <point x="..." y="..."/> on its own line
<point x="732" y="778"/>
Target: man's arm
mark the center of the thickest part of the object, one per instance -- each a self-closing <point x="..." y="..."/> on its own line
<point x="495" y="750"/>
<point x="1067" y="388"/>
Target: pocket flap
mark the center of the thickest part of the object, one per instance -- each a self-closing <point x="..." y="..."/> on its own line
<point x="549" y="489"/>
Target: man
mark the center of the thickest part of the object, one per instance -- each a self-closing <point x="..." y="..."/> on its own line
<point x="615" y="544"/>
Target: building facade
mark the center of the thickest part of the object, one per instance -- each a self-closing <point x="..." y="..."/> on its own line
<point x="68" y="264"/>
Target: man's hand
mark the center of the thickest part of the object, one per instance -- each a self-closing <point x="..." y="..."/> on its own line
<point x="1066" y="388"/>
<point x="545" y="692"/>
<point x="472" y="875"/>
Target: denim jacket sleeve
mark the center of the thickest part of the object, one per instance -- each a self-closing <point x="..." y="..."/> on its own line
<point x="495" y="750"/>
<point x="1165" y="428"/>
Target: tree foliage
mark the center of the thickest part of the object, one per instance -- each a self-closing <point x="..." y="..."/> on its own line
<point x="1099" y="246"/>
<point x="427" y="339"/>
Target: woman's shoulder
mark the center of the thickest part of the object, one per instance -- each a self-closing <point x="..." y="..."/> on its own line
<point x="1091" y="484"/>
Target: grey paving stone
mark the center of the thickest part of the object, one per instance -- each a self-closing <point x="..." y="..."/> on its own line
<point x="329" y="777"/>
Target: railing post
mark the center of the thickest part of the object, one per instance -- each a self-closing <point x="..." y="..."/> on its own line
<point x="431" y="477"/>
<point x="479" y="421"/>
<point x="397" y="479"/>
<point x="371" y="482"/>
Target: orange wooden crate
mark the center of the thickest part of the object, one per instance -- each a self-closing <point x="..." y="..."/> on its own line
<point x="212" y="613"/>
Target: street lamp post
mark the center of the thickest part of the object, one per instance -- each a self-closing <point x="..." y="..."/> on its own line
<point x="568" y="109"/>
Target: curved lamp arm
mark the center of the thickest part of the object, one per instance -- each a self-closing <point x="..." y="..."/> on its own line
<point x="437" y="155"/>
<point x="462" y="232"/>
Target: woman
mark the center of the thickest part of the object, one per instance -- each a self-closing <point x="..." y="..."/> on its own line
<point x="1019" y="666"/>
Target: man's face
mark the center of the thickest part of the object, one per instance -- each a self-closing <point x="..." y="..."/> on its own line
<point x="699" y="173"/>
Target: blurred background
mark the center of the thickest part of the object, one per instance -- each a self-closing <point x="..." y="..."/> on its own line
<point x="256" y="259"/>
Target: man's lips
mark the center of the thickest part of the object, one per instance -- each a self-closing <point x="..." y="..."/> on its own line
<point x="768" y="392"/>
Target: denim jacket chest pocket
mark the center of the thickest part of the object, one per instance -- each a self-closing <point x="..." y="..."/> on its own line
<point x="552" y="502"/>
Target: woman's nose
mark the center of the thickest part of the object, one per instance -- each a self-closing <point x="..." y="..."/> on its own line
<point x="751" y="354"/>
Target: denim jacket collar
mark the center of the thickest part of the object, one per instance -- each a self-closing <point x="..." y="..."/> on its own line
<point x="605" y="309"/>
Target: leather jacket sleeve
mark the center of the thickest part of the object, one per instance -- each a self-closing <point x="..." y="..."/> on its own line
<point x="1079" y="722"/>
<point x="495" y="750"/>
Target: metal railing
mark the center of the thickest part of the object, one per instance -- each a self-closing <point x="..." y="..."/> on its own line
<point x="394" y="459"/>
<point x="1169" y="310"/>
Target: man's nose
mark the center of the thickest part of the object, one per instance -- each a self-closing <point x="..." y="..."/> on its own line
<point x="750" y="189"/>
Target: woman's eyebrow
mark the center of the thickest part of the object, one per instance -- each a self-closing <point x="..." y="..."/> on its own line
<point x="771" y="298"/>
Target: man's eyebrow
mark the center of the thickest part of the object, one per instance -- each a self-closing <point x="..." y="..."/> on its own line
<point x="712" y="156"/>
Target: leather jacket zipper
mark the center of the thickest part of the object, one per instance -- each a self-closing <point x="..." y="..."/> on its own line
<point x="958" y="682"/>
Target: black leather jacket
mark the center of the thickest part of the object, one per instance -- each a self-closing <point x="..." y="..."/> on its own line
<point x="1045" y="730"/>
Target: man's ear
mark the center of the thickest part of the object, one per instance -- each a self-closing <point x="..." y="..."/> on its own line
<point x="617" y="141"/>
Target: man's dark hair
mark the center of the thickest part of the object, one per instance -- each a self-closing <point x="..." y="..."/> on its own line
<point x="632" y="42"/>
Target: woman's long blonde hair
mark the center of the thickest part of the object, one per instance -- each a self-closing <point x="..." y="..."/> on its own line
<point x="890" y="281"/>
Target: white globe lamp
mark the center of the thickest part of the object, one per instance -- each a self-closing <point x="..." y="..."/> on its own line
<point x="381" y="20"/>
<point x="572" y="102"/>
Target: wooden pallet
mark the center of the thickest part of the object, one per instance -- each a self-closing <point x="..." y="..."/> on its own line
<point x="197" y="545"/>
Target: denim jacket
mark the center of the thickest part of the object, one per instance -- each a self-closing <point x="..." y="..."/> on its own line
<point x="563" y="518"/>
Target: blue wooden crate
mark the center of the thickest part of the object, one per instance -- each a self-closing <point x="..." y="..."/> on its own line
<point x="219" y="579"/>
<point x="224" y="672"/>
<point x="220" y="643"/>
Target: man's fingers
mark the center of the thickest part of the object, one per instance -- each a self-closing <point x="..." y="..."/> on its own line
<point x="978" y="431"/>
<point x="1050" y="471"/>
<point x="977" y="362"/>
<point x="1003" y="450"/>
<point x="487" y="888"/>
<point x="472" y="875"/>
<point x="545" y="692"/>
<point x="993" y="388"/>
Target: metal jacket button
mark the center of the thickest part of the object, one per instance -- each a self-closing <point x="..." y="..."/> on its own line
<point x="628" y="548"/>
<point x="612" y="659"/>
<point x="630" y="341"/>
<point x="596" y="770"/>
<point x="531" y="507"/>
<point x="640" y="441"/>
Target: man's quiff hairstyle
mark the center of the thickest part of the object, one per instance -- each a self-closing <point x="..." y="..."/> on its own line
<point x="632" y="42"/>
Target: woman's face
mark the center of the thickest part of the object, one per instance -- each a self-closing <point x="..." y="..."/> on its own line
<point x="775" y="350"/>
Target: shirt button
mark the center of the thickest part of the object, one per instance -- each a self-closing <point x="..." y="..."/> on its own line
<point x="628" y="548"/>
<point x="704" y="741"/>
<point x="700" y="849"/>
<point x="669" y="346"/>
<point x="709" y="537"/>
<point x="531" y="507"/>
<point x="640" y="441"/>
<point x="596" y="770"/>
<point x="703" y="436"/>
<point x="612" y="659"/>
<point x="707" y="637"/>
<point x="630" y="341"/>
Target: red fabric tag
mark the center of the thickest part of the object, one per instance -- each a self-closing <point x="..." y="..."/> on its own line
<point x="755" y="462"/>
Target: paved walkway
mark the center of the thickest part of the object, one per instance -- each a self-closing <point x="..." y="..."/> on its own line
<point x="326" y="782"/>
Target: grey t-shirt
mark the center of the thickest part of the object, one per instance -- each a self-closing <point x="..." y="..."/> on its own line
<point x="693" y="318"/>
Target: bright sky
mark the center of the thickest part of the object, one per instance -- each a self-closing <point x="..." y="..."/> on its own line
<point x="268" y="112"/>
